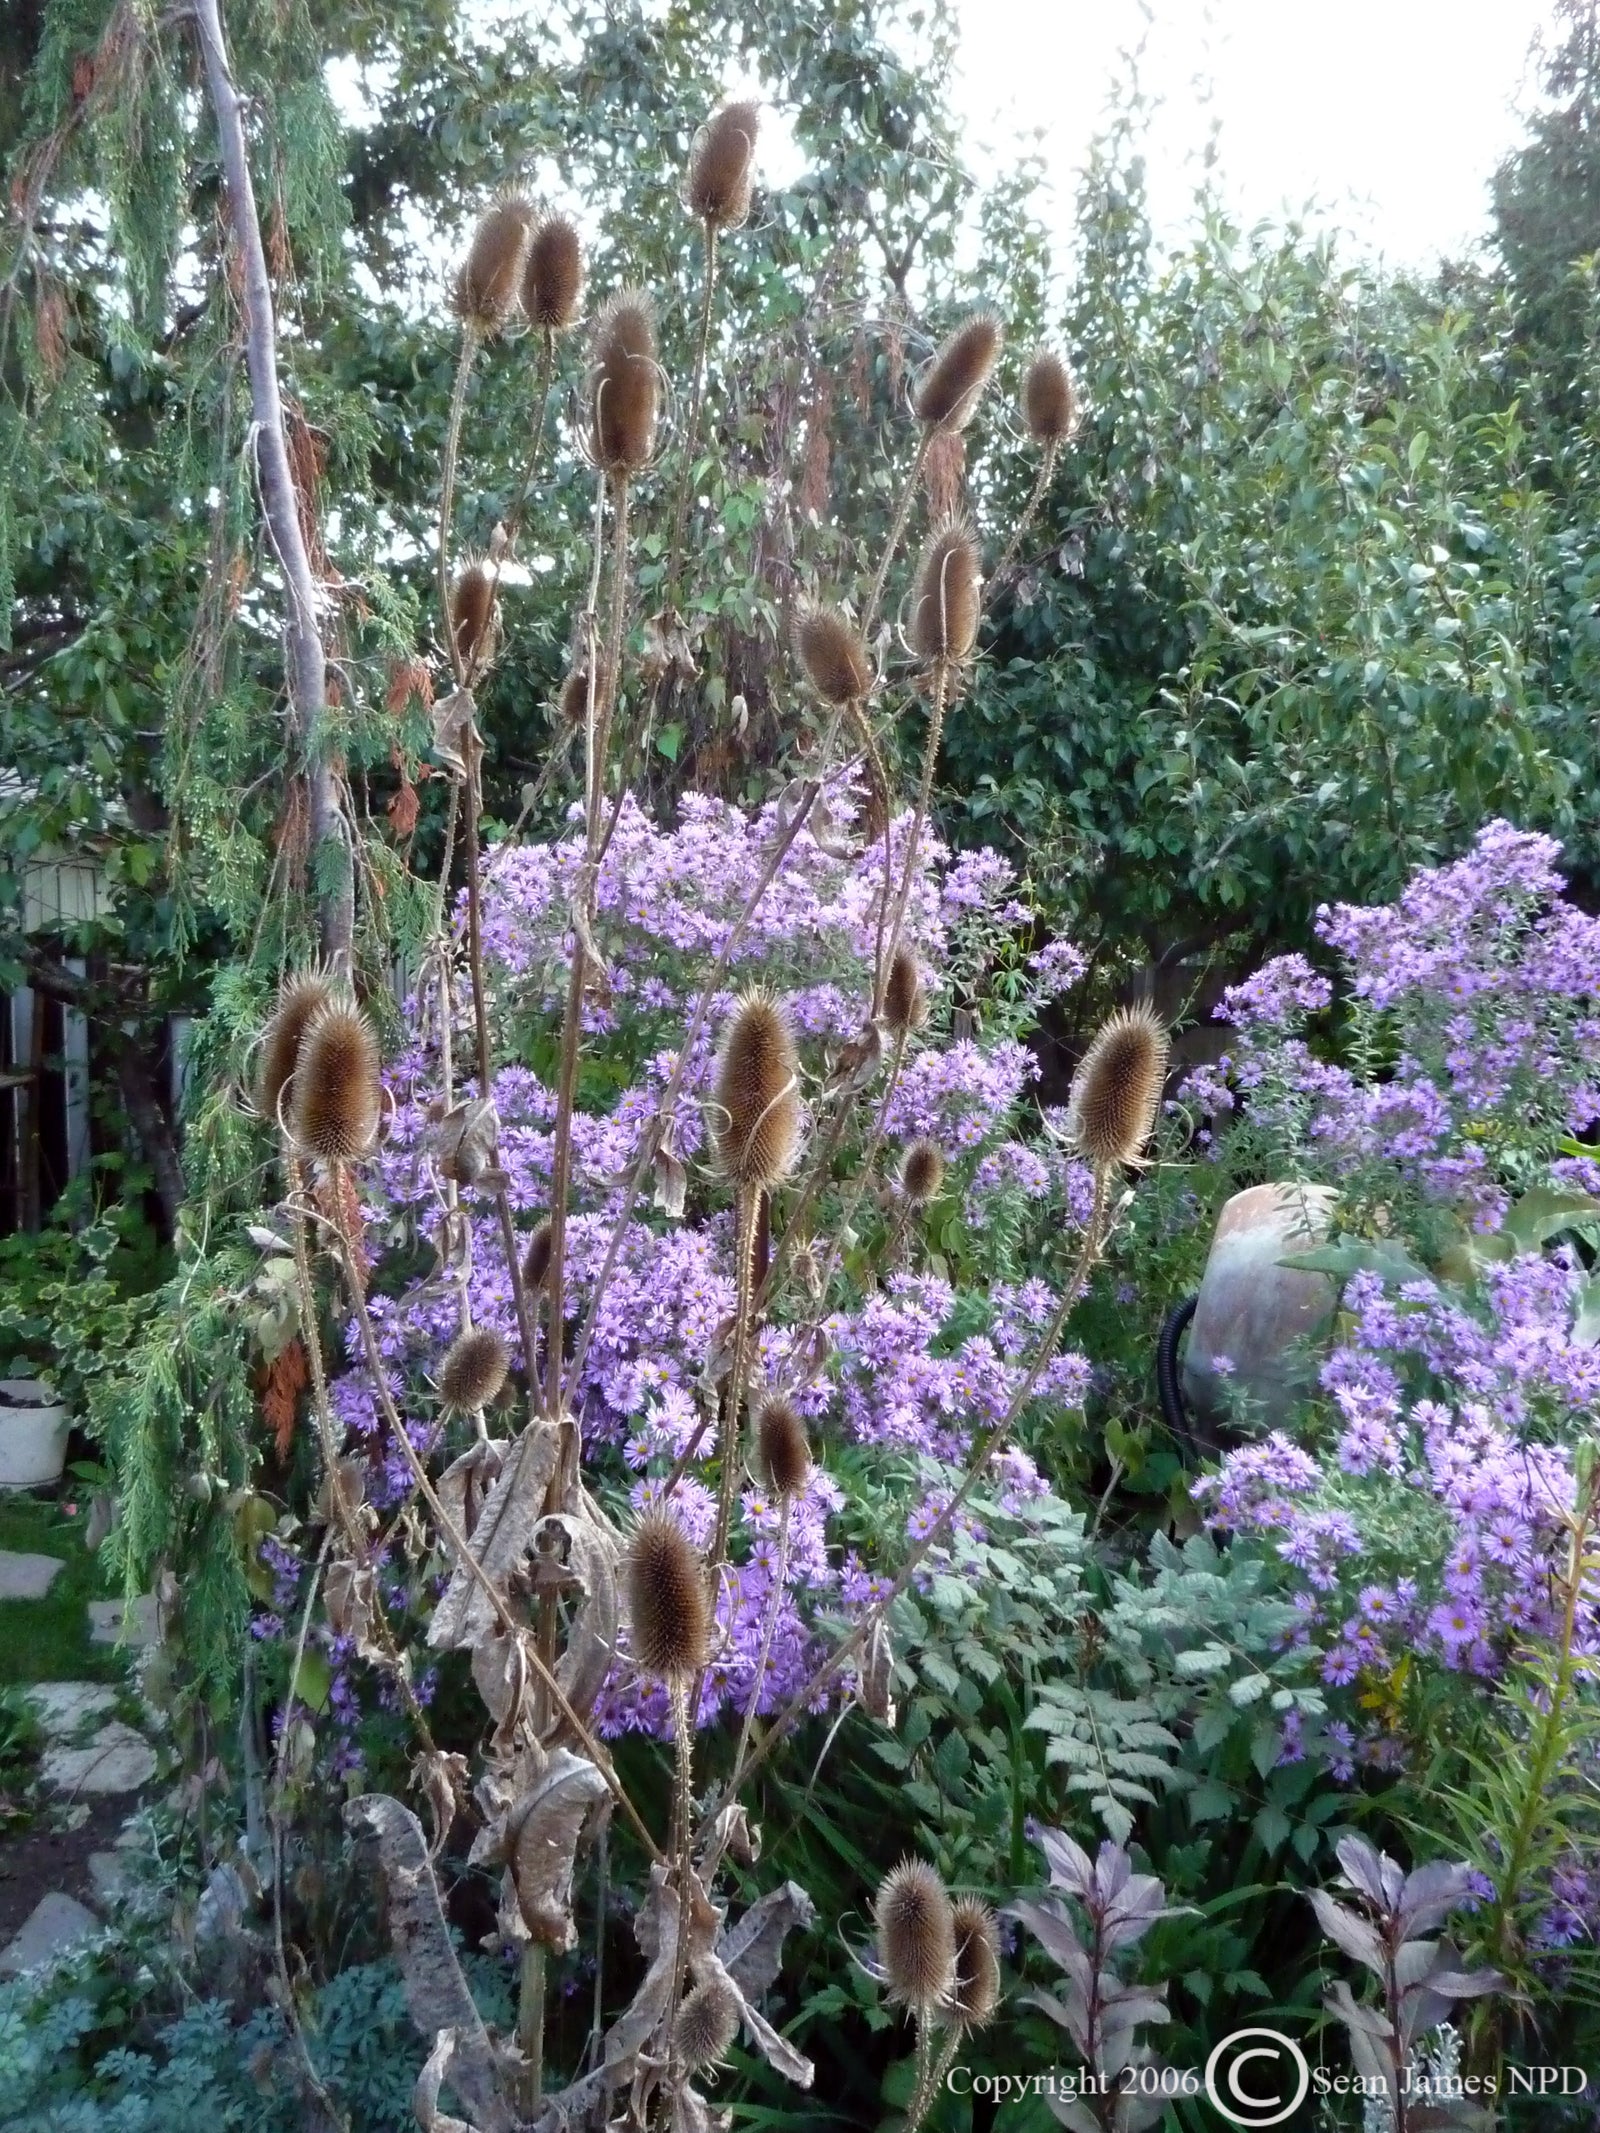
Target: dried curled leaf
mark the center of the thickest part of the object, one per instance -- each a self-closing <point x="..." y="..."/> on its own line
<point x="577" y="1554"/>
<point x="671" y="1183"/>
<point x="441" y="1777"/>
<point x="436" y="1992"/>
<point x="464" y="1140"/>
<point x="542" y="1834"/>
<point x="350" y="1599"/>
<point x="425" y="2096"/>
<point x="467" y="1483"/>
<point x="500" y="1540"/>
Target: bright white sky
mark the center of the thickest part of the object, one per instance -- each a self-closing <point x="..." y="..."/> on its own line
<point x="1390" y="114"/>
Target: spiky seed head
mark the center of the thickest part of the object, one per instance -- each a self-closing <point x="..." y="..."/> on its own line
<point x="708" y="2022"/>
<point x="833" y="655"/>
<point x="758" y="1094"/>
<point x="336" y="1096"/>
<point x="721" y="166"/>
<point x="552" y="275"/>
<point x="783" y="1451"/>
<point x="1116" y="1091"/>
<point x="475" y="1367"/>
<point x="472" y="612"/>
<point x="298" y="1002"/>
<point x="916" y="1936"/>
<point x="490" y="278"/>
<point x="947" y="392"/>
<point x="976" y="1992"/>
<point x="922" y="1172"/>
<point x="536" y="1259"/>
<point x="905" y="1002"/>
<point x="624" y="384"/>
<point x="574" y="705"/>
<point x="948" y="596"/>
<point x="1049" y="399"/>
<point x="668" y="1603"/>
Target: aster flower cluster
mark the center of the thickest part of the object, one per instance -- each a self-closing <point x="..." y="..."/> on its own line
<point x="880" y="1370"/>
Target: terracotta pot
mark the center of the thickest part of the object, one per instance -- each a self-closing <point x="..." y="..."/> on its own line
<point x="33" y="1434"/>
<point x="1263" y="1318"/>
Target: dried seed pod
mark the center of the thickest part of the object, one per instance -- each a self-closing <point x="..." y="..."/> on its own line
<point x="336" y="1096"/>
<point x="948" y="596"/>
<point x="472" y="623"/>
<point x="831" y="651"/>
<point x="976" y="1992"/>
<point x="298" y="1002"/>
<point x="536" y="1259"/>
<point x="905" y="1002"/>
<point x="916" y="1936"/>
<point x="783" y="1451"/>
<point x="574" y="699"/>
<point x="758" y="1094"/>
<point x="708" y="2022"/>
<point x="474" y="1369"/>
<point x="948" y="390"/>
<point x="552" y="275"/>
<point x="490" y="278"/>
<point x="721" y="166"/>
<point x="668" y="1603"/>
<point x="922" y="1172"/>
<point x="1049" y="399"/>
<point x="1116" y="1091"/>
<point x="624" y="384"/>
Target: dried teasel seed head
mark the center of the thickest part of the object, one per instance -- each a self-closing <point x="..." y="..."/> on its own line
<point x="922" y="1172"/>
<point x="948" y="390"/>
<point x="536" y="1259"/>
<point x="490" y="278"/>
<point x="668" y="1603"/>
<point x="721" y="166"/>
<point x="472" y="612"/>
<point x="905" y="1002"/>
<point x="1049" y="399"/>
<point x="976" y="1992"/>
<point x="758" y="1094"/>
<point x="475" y="1367"/>
<point x="708" y="2022"/>
<point x="916" y="1936"/>
<point x="832" y="652"/>
<point x="574" y="699"/>
<point x="336" y="1096"/>
<point x="298" y="1002"/>
<point x="783" y="1450"/>
<point x="624" y="384"/>
<point x="552" y="275"/>
<point x="1116" y="1091"/>
<point x="948" y="596"/>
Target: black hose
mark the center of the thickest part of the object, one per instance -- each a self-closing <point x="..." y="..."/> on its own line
<point x="1168" y="1386"/>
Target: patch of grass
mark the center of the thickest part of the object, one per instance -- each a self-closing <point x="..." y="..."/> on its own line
<point x="48" y="1639"/>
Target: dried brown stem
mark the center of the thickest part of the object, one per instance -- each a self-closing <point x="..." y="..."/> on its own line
<point x="896" y="536"/>
<point x="691" y="435"/>
<point x="1047" y="467"/>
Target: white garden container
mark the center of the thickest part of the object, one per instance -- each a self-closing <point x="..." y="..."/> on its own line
<point x="33" y="1434"/>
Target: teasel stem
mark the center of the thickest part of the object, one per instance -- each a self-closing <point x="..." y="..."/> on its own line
<point x="747" y="1215"/>
<point x="896" y="535"/>
<point x="680" y="1697"/>
<point x="572" y="1016"/>
<point x="930" y="758"/>
<point x="880" y="962"/>
<point x="691" y="435"/>
<point x="480" y="1012"/>
<point x="922" y="2086"/>
<point x="1041" y="485"/>
<point x="547" y="360"/>
<point x="880" y="1127"/>
<point x="463" y="1554"/>
<point x="602" y="1897"/>
<point x="669" y="1095"/>
<point x="530" y="2027"/>
<point x="805" y="1697"/>
<point x="447" y="492"/>
<point x="937" y="2068"/>
<point x="769" y="1630"/>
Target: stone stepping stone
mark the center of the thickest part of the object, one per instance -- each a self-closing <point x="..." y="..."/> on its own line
<point x="57" y="1922"/>
<point x="116" y="1760"/>
<point x="131" y="1622"/>
<point x="27" y="1577"/>
<point x="66" y="1708"/>
<point x="110" y="1875"/>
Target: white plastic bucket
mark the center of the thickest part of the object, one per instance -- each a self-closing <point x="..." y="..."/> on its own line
<point x="33" y="1434"/>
